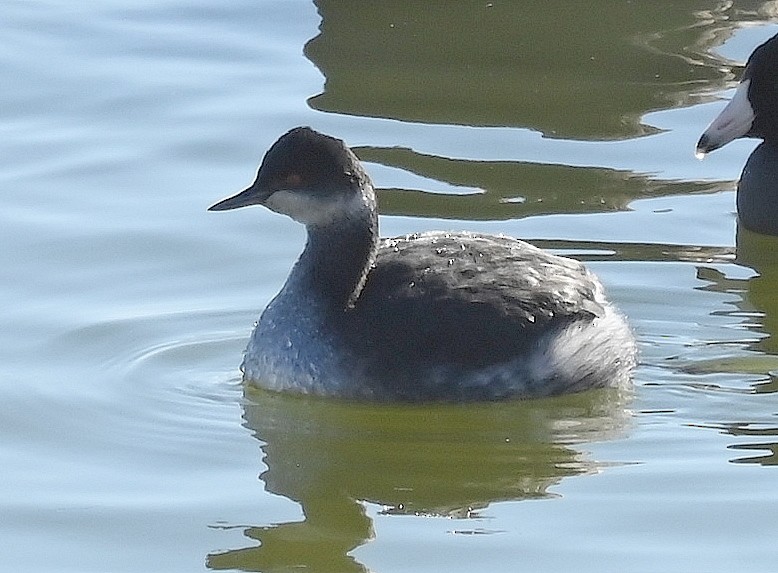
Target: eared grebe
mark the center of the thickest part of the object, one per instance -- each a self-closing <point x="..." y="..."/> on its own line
<point x="429" y="316"/>
<point x="753" y="112"/>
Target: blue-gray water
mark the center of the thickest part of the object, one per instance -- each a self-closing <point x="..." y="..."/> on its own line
<point x="128" y="441"/>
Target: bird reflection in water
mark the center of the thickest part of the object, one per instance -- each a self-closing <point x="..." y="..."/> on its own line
<point x="440" y="460"/>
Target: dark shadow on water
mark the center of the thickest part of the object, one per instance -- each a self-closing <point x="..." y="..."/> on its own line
<point x="435" y="460"/>
<point x="764" y="453"/>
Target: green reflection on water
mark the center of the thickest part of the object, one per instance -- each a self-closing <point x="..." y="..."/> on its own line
<point x="570" y="70"/>
<point x="755" y="306"/>
<point x="760" y="252"/>
<point x="513" y="189"/>
<point x="432" y="460"/>
<point x="582" y="70"/>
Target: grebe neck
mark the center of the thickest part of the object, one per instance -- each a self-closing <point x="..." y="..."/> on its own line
<point x="337" y="258"/>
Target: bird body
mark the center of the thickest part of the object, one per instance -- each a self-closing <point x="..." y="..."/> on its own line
<point x="432" y="316"/>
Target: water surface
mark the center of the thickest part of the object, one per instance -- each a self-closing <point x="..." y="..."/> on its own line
<point x="129" y="442"/>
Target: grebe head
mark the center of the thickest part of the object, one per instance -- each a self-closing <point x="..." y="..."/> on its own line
<point x="313" y="178"/>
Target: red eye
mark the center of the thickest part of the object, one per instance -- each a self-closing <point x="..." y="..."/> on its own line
<point x="293" y="180"/>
